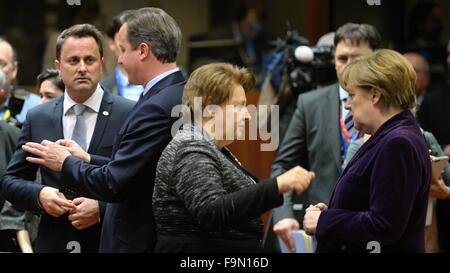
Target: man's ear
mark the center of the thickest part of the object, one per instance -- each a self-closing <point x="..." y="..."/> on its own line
<point x="57" y="65"/>
<point x="102" y="61"/>
<point x="3" y="94"/>
<point x="15" y="69"/>
<point x="144" y="51"/>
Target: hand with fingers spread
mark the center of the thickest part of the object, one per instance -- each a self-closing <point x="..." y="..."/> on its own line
<point x="74" y="149"/>
<point x="48" y="154"/>
<point x="54" y="202"/>
<point x="296" y="179"/>
<point x="311" y="219"/>
<point x="284" y="229"/>
<point x="86" y="214"/>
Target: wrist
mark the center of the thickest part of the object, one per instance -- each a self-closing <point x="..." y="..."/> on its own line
<point x="87" y="158"/>
<point x="39" y="202"/>
<point x="282" y="187"/>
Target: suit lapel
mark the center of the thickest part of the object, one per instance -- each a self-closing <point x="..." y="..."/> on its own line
<point x="102" y="120"/>
<point x="332" y="121"/>
<point x="58" y="117"/>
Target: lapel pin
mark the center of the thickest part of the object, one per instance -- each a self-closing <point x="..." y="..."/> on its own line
<point x="105" y="113"/>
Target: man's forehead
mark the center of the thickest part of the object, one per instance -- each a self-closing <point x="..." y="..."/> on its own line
<point x="123" y="29"/>
<point x="80" y="46"/>
<point x="5" y="50"/>
<point x="353" y="43"/>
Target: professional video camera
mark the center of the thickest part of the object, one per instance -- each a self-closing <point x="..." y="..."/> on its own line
<point x="308" y="67"/>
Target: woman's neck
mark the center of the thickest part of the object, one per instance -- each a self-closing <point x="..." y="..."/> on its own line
<point x="385" y="115"/>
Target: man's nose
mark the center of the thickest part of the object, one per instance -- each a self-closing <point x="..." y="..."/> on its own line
<point x="82" y="67"/>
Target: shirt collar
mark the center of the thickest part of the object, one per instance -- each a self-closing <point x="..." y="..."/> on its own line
<point x="93" y="102"/>
<point x="158" y="78"/>
<point x="343" y="95"/>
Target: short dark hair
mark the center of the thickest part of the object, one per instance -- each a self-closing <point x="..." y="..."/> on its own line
<point x="53" y="76"/>
<point x="79" y="31"/>
<point x="116" y="23"/>
<point x="358" y="33"/>
<point x="157" y="29"/>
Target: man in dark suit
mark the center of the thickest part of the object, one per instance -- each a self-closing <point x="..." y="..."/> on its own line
<point x="149" y="41"/>
<point x="315" y="138"/>
<point x="79" y="61"/>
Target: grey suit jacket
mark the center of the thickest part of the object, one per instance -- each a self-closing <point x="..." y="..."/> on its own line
<point x="311" y="141"/>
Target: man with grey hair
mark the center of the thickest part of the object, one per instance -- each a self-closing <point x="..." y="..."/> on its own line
<point x="3" y="84"/>
<point x="149" y="42"/>
<point x="14" y="102"/>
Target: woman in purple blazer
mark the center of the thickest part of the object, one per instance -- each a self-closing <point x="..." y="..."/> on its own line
<point x="379" y="203"/>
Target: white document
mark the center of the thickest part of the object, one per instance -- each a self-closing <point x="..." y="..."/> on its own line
<point x="303" y="243"/>
<point x="438" y="165"/>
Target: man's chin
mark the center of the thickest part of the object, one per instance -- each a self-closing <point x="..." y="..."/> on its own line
<point x="84" y="88"/>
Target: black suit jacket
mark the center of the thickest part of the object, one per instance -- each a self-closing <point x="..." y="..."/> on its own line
<point x="127" y="180"/>
<point x="45" y="122"/>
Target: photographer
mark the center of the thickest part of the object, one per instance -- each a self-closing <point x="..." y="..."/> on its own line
<point x="294" y="68"/>
<point x="319" y="132"/>
<point x="14" y="102"/>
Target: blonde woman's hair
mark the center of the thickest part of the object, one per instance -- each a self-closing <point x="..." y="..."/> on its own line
<point x="386" y="71"/>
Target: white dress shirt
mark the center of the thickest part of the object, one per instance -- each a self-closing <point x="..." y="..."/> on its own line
<point x="158" y="78"/>
<point x="343" y="96"/>
<point x="90" y="115"/>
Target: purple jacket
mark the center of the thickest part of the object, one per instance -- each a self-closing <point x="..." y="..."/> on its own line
<point x="382" y="194"/>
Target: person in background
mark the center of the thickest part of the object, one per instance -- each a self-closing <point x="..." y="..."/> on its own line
<point x="14" y="102"/>
<point x="118" y="82"/>
<point x="14" y="236"/>
<point x="246" y="29"/>
<point x="421" y="67"/>
<point x="50" y="85"/>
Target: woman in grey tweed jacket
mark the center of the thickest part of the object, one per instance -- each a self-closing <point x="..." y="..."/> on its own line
<point x="204" y="200"/>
